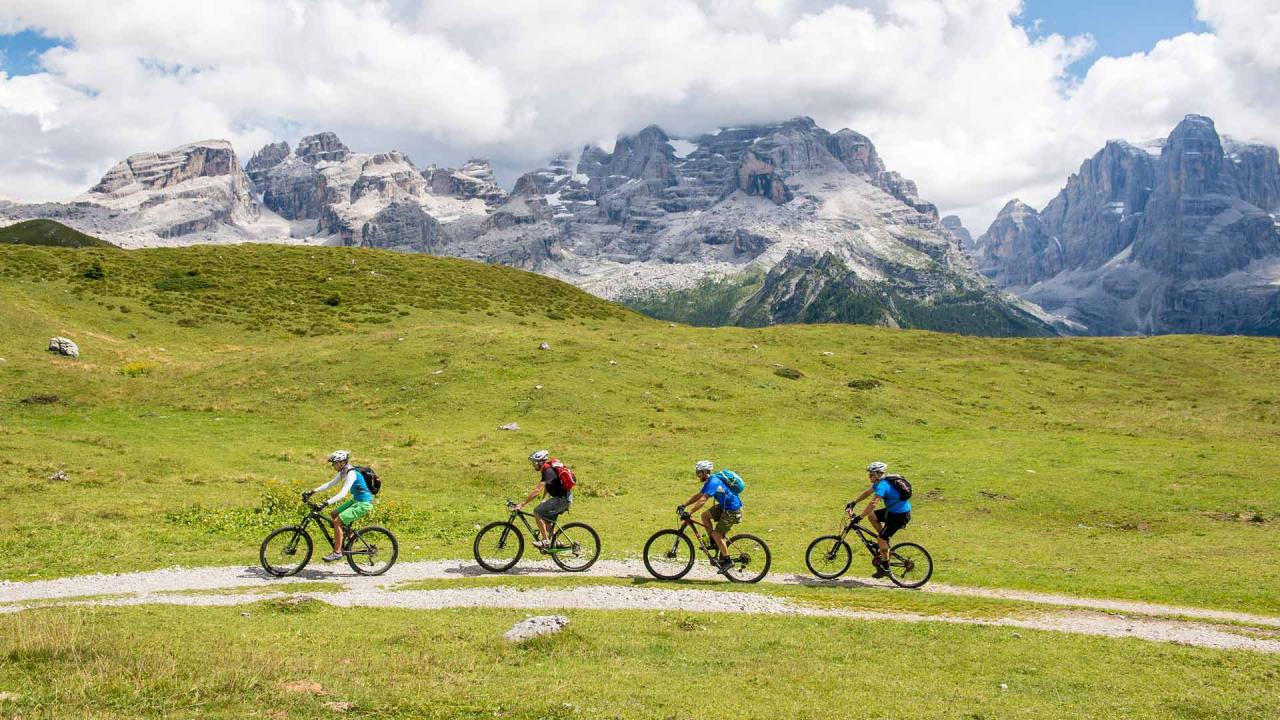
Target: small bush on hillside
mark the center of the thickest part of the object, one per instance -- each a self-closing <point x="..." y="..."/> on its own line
<point x="137" y="369"/>
<point x="183" y="282"/>
<point x="333" y="300"/>
<point x="94" y="271"/>
<point x="788" y="373"/>
<point x="864" y="384"/>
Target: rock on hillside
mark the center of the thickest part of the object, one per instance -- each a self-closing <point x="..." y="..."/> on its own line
<point x="1176" y="236"/>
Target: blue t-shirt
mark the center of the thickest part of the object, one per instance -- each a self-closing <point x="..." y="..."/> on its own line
<point x="892" y="501"/>
<point x="715" y="488"/>
<point x="360" y="488"/>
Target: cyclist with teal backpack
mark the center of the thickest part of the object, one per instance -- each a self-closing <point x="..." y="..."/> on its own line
<point x="360" y="504"/>
<point x="725" y="487"/>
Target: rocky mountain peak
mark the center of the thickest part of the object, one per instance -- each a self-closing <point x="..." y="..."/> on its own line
<point x="322" y="147"/>
<point x="266" y="158"/>
<point x="1177" y="235"/>
<point x="475" y="179"/>
<point x="1193" y="159"/>
<point x="153" y="171"/>
<point x="954" y="225"/>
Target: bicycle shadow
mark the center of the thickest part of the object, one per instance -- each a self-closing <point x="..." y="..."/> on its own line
<point x="307" y="573"/>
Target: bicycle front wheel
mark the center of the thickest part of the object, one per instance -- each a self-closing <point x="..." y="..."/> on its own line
<point x="751" y="559"/>
<point x="498" y="546"/>
<point x="829" y="557"/>
<point x="668" y="555"/>
<point x="910" y="565"/>
<point x="372" y="550"/>
<point x="285" y="551"/>
<point x="575" y="547"/>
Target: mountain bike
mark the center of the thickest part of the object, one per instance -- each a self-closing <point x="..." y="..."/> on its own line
<point x="669" y="555"/>
<point x="829" y="556"/>
<point x="369" y="550"/>
<point x="498" y="546"/>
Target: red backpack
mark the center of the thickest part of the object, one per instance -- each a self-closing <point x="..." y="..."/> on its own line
<point x="567" y="480"/>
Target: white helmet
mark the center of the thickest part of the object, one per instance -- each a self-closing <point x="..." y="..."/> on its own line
<point x="540" y="456"/>
<point x="703" y="465"/>
<point x="877" y="467"/>
<point x="339" y="456"/>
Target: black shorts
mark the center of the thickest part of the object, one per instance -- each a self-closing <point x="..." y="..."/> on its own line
<point x="891" y="522"/>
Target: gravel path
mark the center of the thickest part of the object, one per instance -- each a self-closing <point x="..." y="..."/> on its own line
<point x="155" y="587"/>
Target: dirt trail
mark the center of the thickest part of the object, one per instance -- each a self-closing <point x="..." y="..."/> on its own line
<point x="201" y="586"/>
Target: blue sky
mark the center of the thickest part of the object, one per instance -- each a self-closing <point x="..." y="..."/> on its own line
<point x="19" y="52"/>
<point x="1118" y="27"/>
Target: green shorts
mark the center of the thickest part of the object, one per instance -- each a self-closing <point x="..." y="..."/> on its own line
<point x="725" y="519"/>
<point x="352" y="510"/>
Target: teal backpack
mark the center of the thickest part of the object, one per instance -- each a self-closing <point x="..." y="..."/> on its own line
<point x="732" y="480"/>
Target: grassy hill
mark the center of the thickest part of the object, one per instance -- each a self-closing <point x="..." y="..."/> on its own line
<point x="48" y="233"/>
<point x="213" y="380"/>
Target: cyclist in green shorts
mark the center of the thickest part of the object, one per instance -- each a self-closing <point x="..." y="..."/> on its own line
<point x="360" y="504"/>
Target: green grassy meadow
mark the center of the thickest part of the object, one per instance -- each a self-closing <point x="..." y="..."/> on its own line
<point x="213" y="381"/>
<point x="274" y="660"/>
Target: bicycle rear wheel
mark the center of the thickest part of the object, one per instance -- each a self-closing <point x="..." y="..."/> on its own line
<point x="285" y="551"/>
<point x="910" y="565"/>
<point x="668" y="555"/>
<point x="372" y="550"/>
<point x="575" y="547"/>
<point x="829" y="557"/>
<point x="751" y="559"/>
<point x="498" y="546"/>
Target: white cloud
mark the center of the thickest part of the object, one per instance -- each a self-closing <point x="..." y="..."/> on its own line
<point x="954" y="92"/>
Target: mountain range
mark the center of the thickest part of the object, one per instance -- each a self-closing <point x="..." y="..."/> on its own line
<point x="827" y="230"/>
<point x="1180" y="235"/>
<point x="756" y="225"/>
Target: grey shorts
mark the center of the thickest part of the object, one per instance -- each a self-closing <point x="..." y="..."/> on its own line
<point x="553" y="507"/>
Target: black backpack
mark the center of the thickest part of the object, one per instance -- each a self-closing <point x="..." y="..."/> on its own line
<point x="900" y="484"/>
<point x="371" y="479"/>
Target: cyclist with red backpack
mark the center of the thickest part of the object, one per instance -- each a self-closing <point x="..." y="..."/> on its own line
<point x="361" y="502"/>
<point x="557" y="482"/>
<point x="895" y="491"/>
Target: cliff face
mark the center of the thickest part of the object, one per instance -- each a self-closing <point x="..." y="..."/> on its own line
<point x="1180" y="240"/>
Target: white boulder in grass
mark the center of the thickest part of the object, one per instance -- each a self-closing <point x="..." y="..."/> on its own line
<point x="535" y="627"/>
<point x="64" y="346"/>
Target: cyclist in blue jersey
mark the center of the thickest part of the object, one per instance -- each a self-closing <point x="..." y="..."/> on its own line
<point x="719" y="519"/>
<point x="360" y="504"/>
<point x="887" y="520"/>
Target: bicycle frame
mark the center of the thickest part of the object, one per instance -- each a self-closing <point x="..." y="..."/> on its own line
<point x="532" y="529"/>
<point x="870" y="540"/>
<point x="705" y="542"/>
<point x="325" y="524"/>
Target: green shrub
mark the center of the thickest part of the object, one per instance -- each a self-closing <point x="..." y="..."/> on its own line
<point x="788" y="373"/>
<point x="94" y="271"/>
<point x="137" y="369"/>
